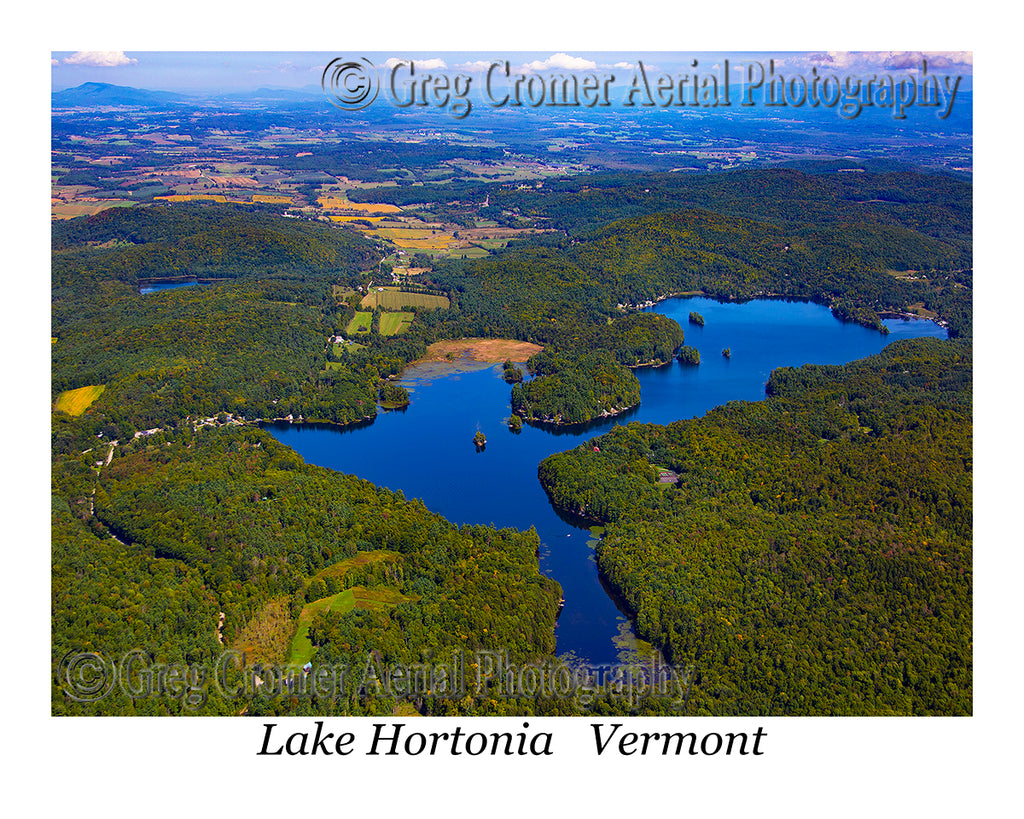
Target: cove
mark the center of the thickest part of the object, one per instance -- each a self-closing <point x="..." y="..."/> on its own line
<point x="427" y="452"/>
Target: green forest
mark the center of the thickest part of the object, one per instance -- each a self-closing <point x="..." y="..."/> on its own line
<point x="815" y="555"/>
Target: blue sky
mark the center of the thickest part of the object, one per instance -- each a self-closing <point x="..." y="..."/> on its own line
<point x="221" y="71"/>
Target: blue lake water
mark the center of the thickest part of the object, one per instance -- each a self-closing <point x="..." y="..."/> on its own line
<point x="157" y="287"/>
<point x="427" y="450"/>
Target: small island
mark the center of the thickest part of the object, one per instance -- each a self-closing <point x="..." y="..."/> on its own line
<point x="480" y="440"/>
<point x="727" y="352"/>
<point x="696" y="318"/>
<point x="515" y="423"/>
<point x="688" y="355"/>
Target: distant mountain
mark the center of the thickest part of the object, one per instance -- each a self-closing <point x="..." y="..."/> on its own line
<point x="102" y="93"/>
<point x="305" y="94"/>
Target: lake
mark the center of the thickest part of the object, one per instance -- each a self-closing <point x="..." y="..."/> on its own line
<point x="426" y="450"/>
<point x="158" y="287"/>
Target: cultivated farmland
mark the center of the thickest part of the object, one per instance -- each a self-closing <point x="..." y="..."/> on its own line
<point x="391" y="298"/>
<point x="360" y="323"/>
<point x="391" y="324"/>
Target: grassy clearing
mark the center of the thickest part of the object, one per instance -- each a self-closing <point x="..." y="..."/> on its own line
<point x="302" y="650"/>
<point x="340" y="569"/>
<point x="75" y="402"/>
<point x="360" y="323"/>
<point x="391" y="324"/>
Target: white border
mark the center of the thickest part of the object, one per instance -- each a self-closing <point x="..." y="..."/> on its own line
<point x="835" y="767"/>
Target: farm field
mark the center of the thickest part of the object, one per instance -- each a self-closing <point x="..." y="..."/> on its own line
<point x="334" y="203"/>
<point x="75" y="402"/>
<point x="415" y="238"/>
<point x="391" y="298"/>
<point x="360" y="218"/>
<point x="391" y="324"/>
<point x="360" y="323"/>
<point x="69" y="210"/>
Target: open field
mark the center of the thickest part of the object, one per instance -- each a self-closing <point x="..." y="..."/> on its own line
<point x="302" y="650"/>
<point x="75" y="402"/>
<point x="268" y="199"/>
<point x="69" y="210"/>
<point x="340" y="568"/>
<point x="360" y="323"/>
<point x="334" y="203"/>
<point x="361" y="218"/>
<point x="193" y="197"/>
<point x="391" y="324"/>
<point x="481" y="349"/>
<point x="391" y="298"/>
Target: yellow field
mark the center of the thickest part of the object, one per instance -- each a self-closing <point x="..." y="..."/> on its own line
<point x="436" y="243"/>
<point x="193" y="197"/>
<point x="353" y="218"/>
<point x="75" y="402"/>
<point x="334" y="203"/>
<point x="267" y="199"/>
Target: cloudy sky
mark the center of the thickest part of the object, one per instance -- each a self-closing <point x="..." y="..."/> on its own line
<point x="212" y="71"/>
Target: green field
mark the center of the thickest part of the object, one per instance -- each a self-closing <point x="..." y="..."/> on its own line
<point x="468" y="252"/>
<point x="391" y="324"/>
<point x="302" y="650"/>
<point x="360" y="323"/>
<point x="75" y="402"/>
<point x="491" y="244"/>
<point x="391" y="298"/>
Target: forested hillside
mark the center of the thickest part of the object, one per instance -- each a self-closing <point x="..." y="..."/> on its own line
<point x="813" y="558"/>
<point x="231" y="518"/>
<point x="815" y="555"/>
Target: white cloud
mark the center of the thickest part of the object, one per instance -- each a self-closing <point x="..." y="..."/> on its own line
<point x="476" y="65"/>
<point x="627" y="66"/>
<point x="561" y="60"/>
<point x="54" y="62"/>
<point x="101" y="59"/>
<point x="427" y="65"/>
<point x="892" y="60"/>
